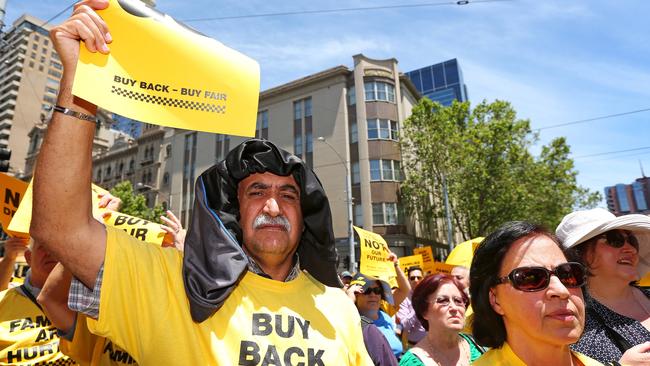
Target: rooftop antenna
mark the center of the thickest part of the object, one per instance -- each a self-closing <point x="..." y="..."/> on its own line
<point x="641" y="165"/>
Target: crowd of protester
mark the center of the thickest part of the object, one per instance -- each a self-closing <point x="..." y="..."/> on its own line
<point x="253" y="281"/>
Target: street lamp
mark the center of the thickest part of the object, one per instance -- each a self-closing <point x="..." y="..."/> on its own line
<point x="348" y="185"/>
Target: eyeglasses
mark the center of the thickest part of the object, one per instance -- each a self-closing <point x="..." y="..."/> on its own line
<point x="617" y="238"/>
<point x="531" y="279"/>
<point x="415" y="278"/>
<point x="371" y="290"/>
<point x="444" y="301"/>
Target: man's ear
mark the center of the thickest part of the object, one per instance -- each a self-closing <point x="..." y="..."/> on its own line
<point x="494" y="302"/>
<point x="28" y="257"/>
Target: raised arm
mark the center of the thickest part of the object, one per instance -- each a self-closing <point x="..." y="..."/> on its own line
<point x="403" y="286"/>
<point x="54" y="299"/>
<point x="62" y="217"/>
<point x="13" y="248"/>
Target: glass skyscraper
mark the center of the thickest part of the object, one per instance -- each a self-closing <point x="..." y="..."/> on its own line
<point x="442" y="82"/>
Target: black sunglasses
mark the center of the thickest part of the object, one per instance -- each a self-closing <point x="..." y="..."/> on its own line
<point x="375" y="290"/>
<point x="531" y="279"/>
<point x="617" y="238"/>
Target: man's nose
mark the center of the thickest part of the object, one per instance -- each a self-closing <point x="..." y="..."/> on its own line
<point x="271" y="207"/>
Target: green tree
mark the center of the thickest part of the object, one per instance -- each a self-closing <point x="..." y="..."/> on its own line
<point x="136" y="204"/>
<point x="484" y="156"/>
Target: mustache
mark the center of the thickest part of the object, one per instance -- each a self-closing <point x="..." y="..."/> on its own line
<point x="264" y="219"/>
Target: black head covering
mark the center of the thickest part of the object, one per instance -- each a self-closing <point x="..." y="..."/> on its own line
<point x="214" y="260"/>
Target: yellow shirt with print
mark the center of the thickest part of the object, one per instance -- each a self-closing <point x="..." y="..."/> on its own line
<point x="505" y="356"/>
<point x="27" y="336"/>
<point x="144" y="309"/>
<point x="91" y="350"/>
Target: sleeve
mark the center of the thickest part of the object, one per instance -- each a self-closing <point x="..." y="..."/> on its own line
<point x="140" y="288"/>
<point x="80" y="347"/>
<point x="406" y="316"/>
<point x="377" y="346"/>
<point x="83" y="299"/>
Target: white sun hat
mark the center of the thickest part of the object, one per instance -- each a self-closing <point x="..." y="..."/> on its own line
<point x="580" y="226"/>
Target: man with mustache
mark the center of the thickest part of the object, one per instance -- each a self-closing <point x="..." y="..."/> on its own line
<point x="259" y="251"/>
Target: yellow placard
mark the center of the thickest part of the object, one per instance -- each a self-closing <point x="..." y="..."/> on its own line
<point x="12" y="191"/>
<point x="374" y="257"/>
<point x="141" y="229"/>
<point x="440" y="267"/>
<point x="412" y="260"/>
<point x="163" y="72"/>
<point x="427" y="259"/>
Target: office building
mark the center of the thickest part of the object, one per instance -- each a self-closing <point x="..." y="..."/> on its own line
<point x="29" y="80"/>
<point x="442" y="82"/>
<point x="629" y="198"/>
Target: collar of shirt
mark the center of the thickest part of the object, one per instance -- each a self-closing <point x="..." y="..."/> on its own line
<point x="28" y="285"/>
<point x="293" y="273"/>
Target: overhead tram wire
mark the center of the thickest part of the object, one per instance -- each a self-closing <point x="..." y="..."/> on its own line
<point x="592" y="119"/>
<point x="343" y="10"/>
<point x="612" y="152"/>
<point x="58" y="14"/>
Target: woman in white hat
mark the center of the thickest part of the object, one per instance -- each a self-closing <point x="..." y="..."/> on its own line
<point x="616" y="252"/>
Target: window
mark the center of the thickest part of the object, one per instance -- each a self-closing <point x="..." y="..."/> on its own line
<point x="42" y="58"/>
<point x="50" y="90"/>
<point x="375" y="170"/>
<point x="358" y="215"/>
<point x="382" y="129"/>
<point x="354" y="133"/>
<point x="33" y="55"/>
<point x="34" y="46"/>
<point x="165" y="180"/>
<point x="352" y="96"/>
<point x="385" y="170"/>
<point x="303" y="139"/>
<point x="46" y="41"/>
<point x="56" y="65"/>
<point x="53" y="82"/>
<point x="36" y="37"/>
<point x="40" y="68"/>
<point x="31" y="64"/>
<point x="54" y="73"/>
<point x="387" y="213"/>
<point x="262" y="128"/>
<point x="356" y="176"/>
<point x="381" y="91"/>
<point x="168" y="150"/>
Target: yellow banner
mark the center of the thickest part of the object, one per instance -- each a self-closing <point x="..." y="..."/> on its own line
<point x="12" y="191"/>
<point x="160" y="71"/>
<point x="141" y="229"/>
<point x="374" y="257"/>
<point x="412" y="260"/>
<point x="428" y="264"/>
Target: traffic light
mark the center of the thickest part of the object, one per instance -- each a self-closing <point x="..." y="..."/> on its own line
<point x="5" y="154"/>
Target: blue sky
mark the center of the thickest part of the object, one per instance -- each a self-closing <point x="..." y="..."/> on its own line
<point x="556" y="61"/>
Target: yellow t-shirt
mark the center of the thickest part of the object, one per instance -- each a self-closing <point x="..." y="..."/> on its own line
<point x="91" y="350"/>
<point x="27" y="336"/>
<point x="144" y="309"/>
<point x="505" y="356"/>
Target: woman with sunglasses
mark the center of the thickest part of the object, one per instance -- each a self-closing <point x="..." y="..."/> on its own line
<point x="527" y="299"/>
<point x="616" y="251"/>
<point x="367" y="293"/>
<point x="439" y="302"/>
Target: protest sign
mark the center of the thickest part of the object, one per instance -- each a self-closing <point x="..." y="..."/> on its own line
<point x="411" y="261"/>
<point x="12" y="191"/>
<point x="374" y="257"/>
<point x="163" y="72"/>
<point x="141" y="229"/>
<point x="427" y="258"/>
<point x="440" y="267"/>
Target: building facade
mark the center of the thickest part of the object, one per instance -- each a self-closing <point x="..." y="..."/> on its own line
<point x="442" y="82"/>
<point x="629" y="198"/>
<point x="30" y="71"/>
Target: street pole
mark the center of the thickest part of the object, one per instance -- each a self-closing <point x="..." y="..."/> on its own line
<point x="348" y="188"/>
<point x="450" y="243"/>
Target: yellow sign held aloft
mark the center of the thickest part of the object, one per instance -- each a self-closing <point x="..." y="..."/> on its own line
<point x="374" y="257"/>
<point x="411" y="261"/>
<point x="427" y="259"/>
<point x="163" y="72"/>
<point x="12" y="191"/>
